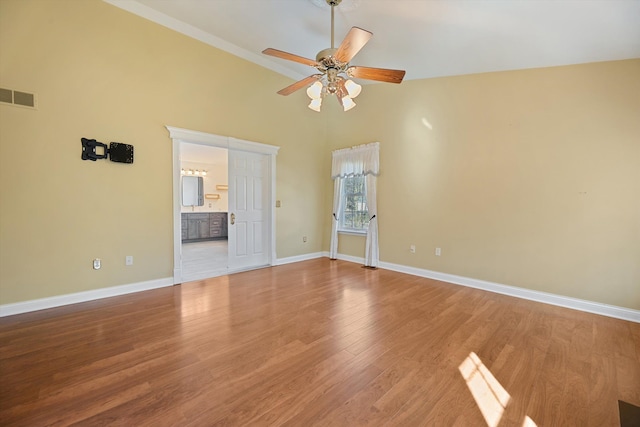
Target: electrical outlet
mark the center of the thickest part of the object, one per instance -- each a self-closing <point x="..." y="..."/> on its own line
<point x="438" y="251"/>
<point x="304" y="239"/>
<point x="97" y="264"/>
<point x="412" y="249"/>
<point x="128" y="260"/>
<point x="278" y="203"/>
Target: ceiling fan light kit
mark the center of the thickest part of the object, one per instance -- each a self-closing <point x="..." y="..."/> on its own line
<point x="333" y="63"/>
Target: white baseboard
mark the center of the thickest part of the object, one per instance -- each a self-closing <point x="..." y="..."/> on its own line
<point x="298" y="258"/>
<point x="544" y="297"/>
<point x="60" y="300"/>
<point x="343" y="257"/>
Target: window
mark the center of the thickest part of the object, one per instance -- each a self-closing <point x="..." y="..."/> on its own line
<point x="354" y="171"/>
<point x="354" y="216"/>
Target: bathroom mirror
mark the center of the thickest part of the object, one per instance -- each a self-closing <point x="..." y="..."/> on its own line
<point x="192" y="191"/>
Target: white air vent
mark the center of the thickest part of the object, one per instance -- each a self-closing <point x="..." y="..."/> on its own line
<point x="17" y="98"/>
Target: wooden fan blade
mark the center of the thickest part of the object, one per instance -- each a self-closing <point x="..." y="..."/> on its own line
<point x="378" y="74"/>
<point x="289" y="56"/>
<point x="299" y="84"/>
<point x="354" y="41"/>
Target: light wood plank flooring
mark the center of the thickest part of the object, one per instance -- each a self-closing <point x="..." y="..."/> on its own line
<point x="320" y="342"/>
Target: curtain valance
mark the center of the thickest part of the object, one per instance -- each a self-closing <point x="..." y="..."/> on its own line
<point x="358" y="160"/>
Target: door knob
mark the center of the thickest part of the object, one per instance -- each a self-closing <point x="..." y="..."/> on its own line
<point x="233" y="218"/>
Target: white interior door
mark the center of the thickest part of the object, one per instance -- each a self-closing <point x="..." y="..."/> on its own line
<point x="248" y="215"/>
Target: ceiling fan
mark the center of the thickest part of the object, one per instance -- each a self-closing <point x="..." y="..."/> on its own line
<point x="333" y="63"/>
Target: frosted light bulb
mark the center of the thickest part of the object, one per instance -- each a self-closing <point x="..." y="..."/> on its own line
<point x="347" y="103"/>
<point x="315" y="104"/>
<point x="353" y="88"/>
<point x="315" y="90"/>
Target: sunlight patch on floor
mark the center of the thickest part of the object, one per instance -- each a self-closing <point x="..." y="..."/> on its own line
<point x="491" y="397"/>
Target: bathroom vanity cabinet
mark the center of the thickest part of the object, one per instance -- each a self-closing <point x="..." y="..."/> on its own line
<point x="200" y="226"/>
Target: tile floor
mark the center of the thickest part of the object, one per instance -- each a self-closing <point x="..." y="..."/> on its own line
<point x="201" y="260"/>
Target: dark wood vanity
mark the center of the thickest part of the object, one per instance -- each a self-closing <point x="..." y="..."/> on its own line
<point x="201" y="226"/>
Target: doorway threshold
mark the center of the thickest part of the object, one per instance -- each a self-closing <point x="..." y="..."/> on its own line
<point x="249" y="268"/>
<point x="203" y="275"/>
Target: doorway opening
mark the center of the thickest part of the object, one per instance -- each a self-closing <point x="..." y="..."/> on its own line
<point x="204" y="236"/>
<point x="250" y="216"/>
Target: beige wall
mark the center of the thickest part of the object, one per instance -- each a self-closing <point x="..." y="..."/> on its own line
<point x="526" y="178"/>
<point x="100" y="72"/>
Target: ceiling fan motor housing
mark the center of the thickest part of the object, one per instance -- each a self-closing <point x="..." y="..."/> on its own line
<point x="325" y="54"/>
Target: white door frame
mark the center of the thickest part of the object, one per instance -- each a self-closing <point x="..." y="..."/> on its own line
<point x="179" y="135"/>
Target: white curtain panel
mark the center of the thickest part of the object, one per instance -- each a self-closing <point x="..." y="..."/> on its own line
<point x="371" y="253"/>
<point x="360" y="160"/>
<point x="337" y="202"/>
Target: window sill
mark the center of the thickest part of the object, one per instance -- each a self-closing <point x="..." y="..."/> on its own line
<point x="353" y="232"/>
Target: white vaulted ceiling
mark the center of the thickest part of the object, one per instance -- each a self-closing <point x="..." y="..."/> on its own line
<point x="427" y="38"/>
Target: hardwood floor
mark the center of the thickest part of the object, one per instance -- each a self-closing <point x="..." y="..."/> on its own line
<point x="320" y="342"/>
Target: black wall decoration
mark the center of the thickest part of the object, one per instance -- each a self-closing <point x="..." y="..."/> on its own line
<point x="116" y="152"/>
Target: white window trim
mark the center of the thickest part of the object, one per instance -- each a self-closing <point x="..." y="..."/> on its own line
<point x="352" y="231"/>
